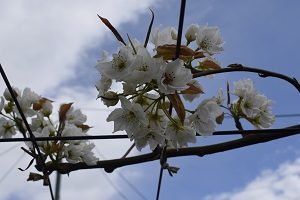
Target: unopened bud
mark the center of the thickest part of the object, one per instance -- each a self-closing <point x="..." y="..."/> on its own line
<point x="110" y="98"/>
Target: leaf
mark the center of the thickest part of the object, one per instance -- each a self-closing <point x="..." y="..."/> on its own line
<point x="112" y="29"/>
<point x="178" y="106"/>
<point x="35" y="177"/>
<point x="38" y="105"/>
<point x="84" y="127"/>
<point x="149" y="29"/>
<point x="168" y="52"/>
<point x="209" y="64"/>
<point x="63" y="111"/>
<point x="192" y="90"/>
<point x="220" y="118"/>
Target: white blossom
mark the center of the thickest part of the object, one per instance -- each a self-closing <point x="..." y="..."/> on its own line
<point x="144" y="68"/>
<point x="26" y="100"/>
<point x="191" y="32"/>
<point x="103" y="85"/>
<point x="129" y="88"/>
<point x="209" y="39"/>
<point x="179" y="135"/>
<point x="153" y="133"/>
<point x="75" y="116"/>
<point x="117" y="68"/>
<point x="1" y="104"/>
<point x="7" y="128"/>
<point x="81" y="152"/>
<point x="8" y="96"/>
<point x="127" y="118"/>
<point x="174" y="76"/>
<point x="47" y="108"/>
<point x="110" y="98"/>
<point x="71" y="130"/>
<point x="204" y="118"/>
<point x="167" y="35"/>
<point x="243" y="88"/>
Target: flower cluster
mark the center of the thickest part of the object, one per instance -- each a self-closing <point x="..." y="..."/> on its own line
<point x="151" y="83"/>
<point x="251" y="105"/>
<point x="38" y="111"/>
<point x="154" y="82"/>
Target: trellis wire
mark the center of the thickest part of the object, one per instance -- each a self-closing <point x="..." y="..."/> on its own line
<point x="108" y="137"/>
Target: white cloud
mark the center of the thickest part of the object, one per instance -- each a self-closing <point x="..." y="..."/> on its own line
<point x="280" y="184"/>
<point x="42" y="41"/>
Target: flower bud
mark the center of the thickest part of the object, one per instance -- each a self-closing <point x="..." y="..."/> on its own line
<point x="110" y="98"/>
<point x="191" y="33"/>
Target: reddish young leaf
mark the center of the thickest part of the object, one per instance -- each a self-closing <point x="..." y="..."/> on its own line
<point x="209" y="64"/>
<point x="63" y="111"/>
<point x="84" y="127"/>
<point x="168" y="51"/>
<point x="220" y="118"/>
<point x="192" y="90"/>
<point x="38" y="105"/>
<point x="178" y="106"/>
<point x="149" y="29"/>
<point x="112" y="28"/>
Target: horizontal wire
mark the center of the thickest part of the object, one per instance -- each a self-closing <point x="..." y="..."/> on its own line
<point x="107" y="137"/>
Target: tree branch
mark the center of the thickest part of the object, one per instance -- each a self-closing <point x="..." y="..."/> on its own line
<point x="111" y="165"/>
<point x="241" y="68"/>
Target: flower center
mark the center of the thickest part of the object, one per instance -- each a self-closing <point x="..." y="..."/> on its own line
<point x="169" y="77"/>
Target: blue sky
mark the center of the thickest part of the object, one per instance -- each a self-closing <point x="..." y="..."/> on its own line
<point x="258" y="33"/>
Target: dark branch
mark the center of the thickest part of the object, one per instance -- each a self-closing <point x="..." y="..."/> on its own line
<point x="240" y="68"/>
<point x="111" y="165"/>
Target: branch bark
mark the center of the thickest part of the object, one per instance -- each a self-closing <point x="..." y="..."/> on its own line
<point x="241" y="68"/>
<point x="110" y="165"/>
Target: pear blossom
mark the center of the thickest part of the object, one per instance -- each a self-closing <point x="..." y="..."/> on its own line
<point x="110" y="98"/>
<point x="209" y="39"/>
<point x="8" y="96"/>
<point x="103" y="85"/>
<point x="45" y="132"/>
<point x="26" y="100"/>
<point x="153" y="133"/>
<point x="180" y="135"/>
<point x="243" y="88"/>
<point x="71" y="130"/>
<point x="75" y="116"/>
<point x="47" y="108"/>
<point x="81" y="152"/>
<point x="7" y="128"/>
<point x="1" y="104"/>
<point x="253" y="106"/>
<point x="191" y="32"/>
<point x="127" y="118"/>
<point x="117" y="68"/>
<point x="173" y="76"/>
<point x="129" y="88"/>
<point x="39" y="122"/>
<point x="144" y="68"/>
<point x="167" y="35"/>
<point x="204" y="117"/>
